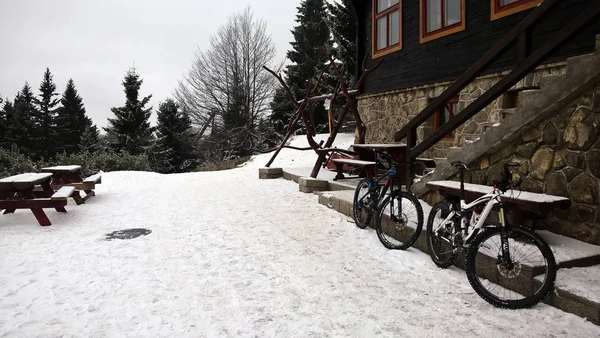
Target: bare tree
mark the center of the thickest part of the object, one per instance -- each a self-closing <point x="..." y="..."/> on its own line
<point x="226" y="91"/>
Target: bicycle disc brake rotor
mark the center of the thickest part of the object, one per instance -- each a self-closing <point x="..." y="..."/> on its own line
<point x="509" y="273"/>
<point x="400" y="222"/>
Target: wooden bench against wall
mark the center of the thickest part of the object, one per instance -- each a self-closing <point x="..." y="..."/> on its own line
<point x="522" y="205"/>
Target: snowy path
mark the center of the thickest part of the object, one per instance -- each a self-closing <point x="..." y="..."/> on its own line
<point x="230" y="255"/>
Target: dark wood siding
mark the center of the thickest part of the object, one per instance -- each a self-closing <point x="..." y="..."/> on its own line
<point x="446" y="58"/>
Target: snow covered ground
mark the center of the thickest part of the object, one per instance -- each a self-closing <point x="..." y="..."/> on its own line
<point x="233" y="256"/>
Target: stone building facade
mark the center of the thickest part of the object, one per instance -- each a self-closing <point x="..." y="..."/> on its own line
<point x="385" y="113"/>
<point x="559" y="155"/>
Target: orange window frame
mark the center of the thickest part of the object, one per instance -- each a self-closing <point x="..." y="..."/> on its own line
<point x="444" y="31"/>
<point x="498" y="11"/>
<point x="389" y="49"/>
<point x="451" y="114"/>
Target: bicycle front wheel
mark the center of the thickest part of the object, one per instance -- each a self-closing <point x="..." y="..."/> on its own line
<point x="399" y="221"/>
<point x="525" y="282"/>
<point x="363" y="206"/>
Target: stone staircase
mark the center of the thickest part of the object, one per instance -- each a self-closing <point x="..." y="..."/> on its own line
<point x="556" y="91"/>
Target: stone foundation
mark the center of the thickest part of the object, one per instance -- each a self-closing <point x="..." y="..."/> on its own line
<point x="560" y="156"/>
<point x="269" y="173"/>
<point x="309" y="184"/>
<point x="386" y="113"/>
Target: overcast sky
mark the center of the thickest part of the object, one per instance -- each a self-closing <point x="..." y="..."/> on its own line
<point x="96" y="41"/>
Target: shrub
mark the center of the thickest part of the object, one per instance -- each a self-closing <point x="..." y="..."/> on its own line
<point x="12" y="162"/>
<point x="223" y="165"/>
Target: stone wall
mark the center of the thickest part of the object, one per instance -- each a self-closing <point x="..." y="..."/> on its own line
<point x="560" y="156"/>
<point x="384" y="114"/>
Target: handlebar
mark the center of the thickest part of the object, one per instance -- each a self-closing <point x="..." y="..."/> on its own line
<point x="390" y="159"/>
<point x="460" y="165"/>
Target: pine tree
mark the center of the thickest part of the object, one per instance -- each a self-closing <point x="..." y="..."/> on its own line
<point x="343" y="25"/>
<point x="90" y="137"/>
<point x="44" y="137"/>
<point x="2" y="121"/>
<point x="281" y="112"/>
<point x="174" y="150"/>
<point x="71" y="120"/>
<point x="9" y="117"/>
<point x="20" y="126"/>
<point x="311" y="34"/>
<point x="130" y="129"/>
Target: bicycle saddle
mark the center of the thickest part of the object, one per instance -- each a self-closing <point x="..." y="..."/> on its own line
<point x="460" y="166"/>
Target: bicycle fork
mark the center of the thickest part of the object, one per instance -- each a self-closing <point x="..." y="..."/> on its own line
<point x="506" y="261"/>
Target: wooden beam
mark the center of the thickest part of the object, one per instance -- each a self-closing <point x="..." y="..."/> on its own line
<point x="509" y="80"/>
<point x="476" y="69"/>
<point x="327" y="96"/>
<point x="37" y="203"/>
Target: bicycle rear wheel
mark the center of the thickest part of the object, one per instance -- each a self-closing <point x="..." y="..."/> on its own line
<point x="363" y="206"/>
<point x="511" y="287"/>
<point x="399" y="221"/>
<point x="440" y="236"/>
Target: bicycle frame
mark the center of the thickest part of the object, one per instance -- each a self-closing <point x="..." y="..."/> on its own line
<point x="389" y="183"/>
<point x="390" y="176"/>
<point x="492" y="199"/>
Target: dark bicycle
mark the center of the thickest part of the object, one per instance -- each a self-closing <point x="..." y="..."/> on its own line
<point x="398" y="214"/>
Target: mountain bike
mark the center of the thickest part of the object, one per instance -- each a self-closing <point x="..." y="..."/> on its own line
<point x="398" y="214"/>
<point x="502" y="257"/>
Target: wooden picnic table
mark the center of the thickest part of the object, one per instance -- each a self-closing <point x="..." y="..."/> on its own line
<point x="17" y="192"/>
<point x="70" y="175"/>
<point x="64" y="174"/>
<point x="396" y="150"/>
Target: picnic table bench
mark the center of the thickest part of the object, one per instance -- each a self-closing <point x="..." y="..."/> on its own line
<point x="366" y="159"/>
<point x="17" y="192"/>
<point x="70" y="175"/>
<point x="522" y="204"/>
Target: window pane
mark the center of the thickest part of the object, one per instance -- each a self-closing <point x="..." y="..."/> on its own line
<point x="507" y="2"/>
<point x="381" y="33"/>
<point x="452" y="12"/>
<point x="434" y="15"/>
<point x="394" y="27"/>
<point x="382" y="5"/>
<point x="446" y="116"/>
<point x="454" y="109"/>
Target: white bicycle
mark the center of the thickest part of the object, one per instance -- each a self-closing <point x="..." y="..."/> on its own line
<point x="501" y="259"/>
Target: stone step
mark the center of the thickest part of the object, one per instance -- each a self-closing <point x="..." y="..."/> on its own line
<point x="551" y="80"/>
<point x="506" y="112"/>
<point x="577" y="291"/>
<point x="530" y="98"/>
<point x="570" y="252"/>
<point x="582" y="63"/>
<point x="577" y="286"/>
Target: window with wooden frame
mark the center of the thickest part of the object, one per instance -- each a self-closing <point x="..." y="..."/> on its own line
<point x="446" y="115"/>
<point x="387" y="27"/>
<point x="502" y="8"/>
<point x="441" y="17"/>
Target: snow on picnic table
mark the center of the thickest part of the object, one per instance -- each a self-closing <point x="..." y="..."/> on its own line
<point x="231" y="255"/>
